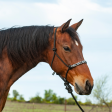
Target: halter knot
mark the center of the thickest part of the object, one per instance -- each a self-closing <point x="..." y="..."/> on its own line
<point x="70" y="67"/>
<point x="68" y="87"/>
<point x="66" y="83"/>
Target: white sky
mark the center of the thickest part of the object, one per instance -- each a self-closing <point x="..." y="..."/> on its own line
<point x="95" y="34"/>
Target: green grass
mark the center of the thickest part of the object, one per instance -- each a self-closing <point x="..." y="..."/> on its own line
<point x="30" y="107"/>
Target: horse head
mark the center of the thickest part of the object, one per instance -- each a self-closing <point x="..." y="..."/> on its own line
<point x="69" y="49"/>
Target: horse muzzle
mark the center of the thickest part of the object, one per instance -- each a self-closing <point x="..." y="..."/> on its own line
<point x="86" y="90"/>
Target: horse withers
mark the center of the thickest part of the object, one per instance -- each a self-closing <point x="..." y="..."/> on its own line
<point x="22" y="48"/>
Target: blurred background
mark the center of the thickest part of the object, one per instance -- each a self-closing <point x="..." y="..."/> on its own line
<point x="95" y="34"/>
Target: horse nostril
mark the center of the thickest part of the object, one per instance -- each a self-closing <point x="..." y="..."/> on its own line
<point x="88" y="86"/>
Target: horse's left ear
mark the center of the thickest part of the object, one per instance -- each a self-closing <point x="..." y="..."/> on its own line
<point x="76" y="25"/>
<point x="64" y="26"/>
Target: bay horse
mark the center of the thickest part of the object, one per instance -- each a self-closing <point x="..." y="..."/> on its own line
<point x="22" y="48"/>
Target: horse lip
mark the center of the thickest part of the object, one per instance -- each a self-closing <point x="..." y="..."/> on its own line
<point x="78" y="89"/>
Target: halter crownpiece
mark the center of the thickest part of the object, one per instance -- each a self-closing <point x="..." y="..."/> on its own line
<point x="68" y="87"/>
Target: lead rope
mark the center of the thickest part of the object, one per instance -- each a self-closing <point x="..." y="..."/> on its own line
<point x="69" y="89"/>
<point x="66" y="83"/>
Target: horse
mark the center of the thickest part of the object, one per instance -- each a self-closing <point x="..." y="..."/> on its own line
<point x="22" y="48"/>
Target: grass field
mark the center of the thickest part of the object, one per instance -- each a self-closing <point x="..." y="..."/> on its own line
<point x="30" y="107"/>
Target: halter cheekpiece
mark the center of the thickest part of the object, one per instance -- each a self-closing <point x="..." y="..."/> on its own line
<point x="66" y="83"/>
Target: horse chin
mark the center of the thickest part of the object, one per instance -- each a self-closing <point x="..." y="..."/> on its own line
<point x="79" y="92"/>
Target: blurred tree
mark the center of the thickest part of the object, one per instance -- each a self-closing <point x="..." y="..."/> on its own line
<point x="102" y="93"/>
<point x="51" y="97"/>
<point x="15" y="94"/>
<point x="61" y="100"/>
<point x="70" y="101"/>
<point x="48" y="95"/>
<point x="36" y="99"/>
<point x="88" y="102"/>
<point x="21" y="98"/>
<point x="54" y="97"/>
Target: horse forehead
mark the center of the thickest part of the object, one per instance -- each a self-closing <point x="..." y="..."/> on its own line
<point x="65" y="37"/>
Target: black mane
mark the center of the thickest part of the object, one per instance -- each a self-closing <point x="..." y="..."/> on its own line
<point x="25" y="44"/>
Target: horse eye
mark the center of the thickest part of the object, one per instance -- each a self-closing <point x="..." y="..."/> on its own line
<point x="67" y="48"/>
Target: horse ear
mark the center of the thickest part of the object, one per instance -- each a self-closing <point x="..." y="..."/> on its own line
<point x="76" y="25"/>
<point x="64" y="26"/>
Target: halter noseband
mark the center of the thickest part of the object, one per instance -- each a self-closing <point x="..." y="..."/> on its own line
<point x="68" y="87"/>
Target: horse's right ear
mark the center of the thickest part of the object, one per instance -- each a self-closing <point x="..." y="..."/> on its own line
<point x="64" y="26"/>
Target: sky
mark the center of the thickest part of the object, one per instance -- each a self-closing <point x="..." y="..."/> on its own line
<point x="95" y="34"/>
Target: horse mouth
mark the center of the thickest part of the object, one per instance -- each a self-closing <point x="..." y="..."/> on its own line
<point x="81" y="91"/>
